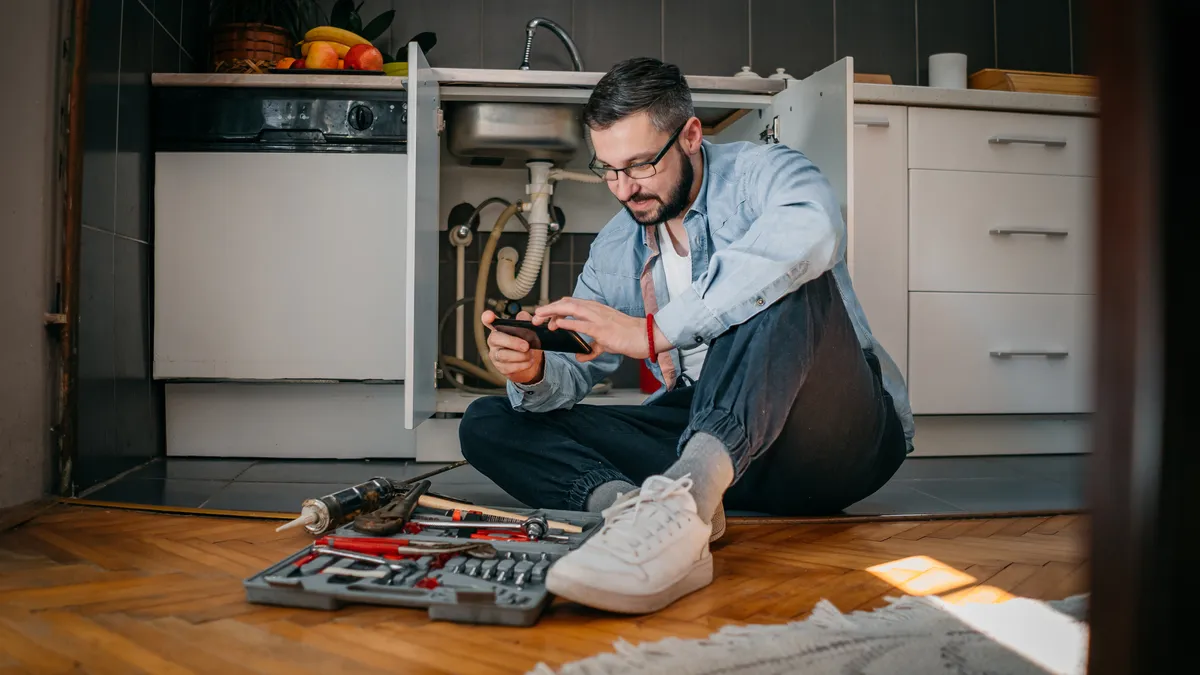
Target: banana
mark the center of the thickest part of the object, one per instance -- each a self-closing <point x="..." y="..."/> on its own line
<point x="332" y="34"/>
<point x="338" y="47"/>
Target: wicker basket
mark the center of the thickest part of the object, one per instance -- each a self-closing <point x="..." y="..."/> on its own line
<point x="249" y="42"/>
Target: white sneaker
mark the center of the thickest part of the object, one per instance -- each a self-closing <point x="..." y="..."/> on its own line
<point x="651" y="551"/>
<point x="718" y="523"/>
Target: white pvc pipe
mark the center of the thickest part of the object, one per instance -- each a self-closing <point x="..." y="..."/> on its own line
<point x="545" y="299"/>
<point x="460" y="291"/>
<point x="563" y="174"/>
<point x="539" y="190"/>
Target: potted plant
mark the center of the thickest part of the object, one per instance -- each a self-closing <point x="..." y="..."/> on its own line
<point x="250" y="35"/>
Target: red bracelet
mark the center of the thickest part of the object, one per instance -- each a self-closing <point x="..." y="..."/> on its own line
<point x="650" y="337"/>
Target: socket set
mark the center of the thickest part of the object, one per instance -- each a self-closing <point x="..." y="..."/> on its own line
<point x="468" y="571"/>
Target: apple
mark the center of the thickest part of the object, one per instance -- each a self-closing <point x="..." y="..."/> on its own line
<point x="321" y="56"/>
<point x="298" y="64"/>
<point x="364" y="57"/>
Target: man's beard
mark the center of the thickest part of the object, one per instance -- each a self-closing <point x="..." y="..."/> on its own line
<point x="676" y="202"/>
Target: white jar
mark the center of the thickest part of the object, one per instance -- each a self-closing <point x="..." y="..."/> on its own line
<point x="948" y="71"/>
<point x="780" y="74"/>
<point x="746" y="72"/>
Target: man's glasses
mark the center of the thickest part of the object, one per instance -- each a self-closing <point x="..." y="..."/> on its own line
<point x="640" y="170"/>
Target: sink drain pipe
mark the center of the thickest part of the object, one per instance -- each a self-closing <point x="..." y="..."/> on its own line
<point x="516" y="285"/>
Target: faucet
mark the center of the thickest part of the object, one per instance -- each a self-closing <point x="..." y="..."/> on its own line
<point x="531" y="28"/>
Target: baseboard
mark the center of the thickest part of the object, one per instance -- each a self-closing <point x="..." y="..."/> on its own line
<point x="973" y="435"/>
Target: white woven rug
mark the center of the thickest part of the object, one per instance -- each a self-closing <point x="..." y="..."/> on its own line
<point x="912" y="635"/>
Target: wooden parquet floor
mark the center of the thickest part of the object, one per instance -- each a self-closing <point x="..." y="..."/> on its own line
<point x="93" y="590"/>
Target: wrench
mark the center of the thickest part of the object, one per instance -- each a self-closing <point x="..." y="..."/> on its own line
<point x="535" y="528"/>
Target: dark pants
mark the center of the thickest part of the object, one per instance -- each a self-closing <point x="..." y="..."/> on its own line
<point x="796" y="401"/>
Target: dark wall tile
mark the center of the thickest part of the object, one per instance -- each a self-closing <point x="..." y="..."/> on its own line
<point x="1081" y="62"/>
<point x="958" y="26"/>
<point x="169" y="13"/>
<point x="881" y="35"/>
<point x="707" y="37"/>
<point x="195" y="35"/>
<point x="456" y="23"/>
<point x="370" y="9"/>
<point x="608" y="31"/>
<point x="561" y="282"/>
<point x="1033" y="35"/>
<point x="135" y="418"/>
<point x="97" y="412"/>
<point x="100" y="119"/>
<point x="131" y="309"/>
<point x="561" y="251"/>
<point x="133" y="128"/>
<point x="504" y="34"/>
<point x="166" y="55"/>
<point x="581" y="247"/>
<point x="796" y="35"/>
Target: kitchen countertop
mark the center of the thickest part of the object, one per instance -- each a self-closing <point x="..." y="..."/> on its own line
<point x="979" y="99"/>
<point x="451" y="77"/>
<point x="477" y="83"/>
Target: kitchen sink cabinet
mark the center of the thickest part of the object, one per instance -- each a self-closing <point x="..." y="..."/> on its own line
<point x="972" y="253"/>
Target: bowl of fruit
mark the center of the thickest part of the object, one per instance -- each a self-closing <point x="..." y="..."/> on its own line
<point x="327" y="49"/>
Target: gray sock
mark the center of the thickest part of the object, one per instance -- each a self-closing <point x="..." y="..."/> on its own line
<point x="711" y="468"/>
<point x="605" y="494"/>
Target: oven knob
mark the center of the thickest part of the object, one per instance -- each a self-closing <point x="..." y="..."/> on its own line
<point x="361" y="118"/>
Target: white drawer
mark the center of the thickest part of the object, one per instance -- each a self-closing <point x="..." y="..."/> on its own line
<point x="983" y="353"/>
<point x="973" y="140"/>
<point x="1000" y="232"/>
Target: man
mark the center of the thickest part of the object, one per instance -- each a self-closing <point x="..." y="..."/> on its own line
<point x="727" y="271"/>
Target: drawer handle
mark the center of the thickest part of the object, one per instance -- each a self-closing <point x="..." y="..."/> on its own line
<point x="1031" y="140"/>
<point x="1043" y="354"/>
<point x="873" y="122"/>
<point x="1006" y="231"/>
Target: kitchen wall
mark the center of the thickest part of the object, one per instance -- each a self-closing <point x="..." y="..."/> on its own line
<point x="712" y="37"/>
<point x="718" y="37"/>
<point x="120" y="418"/>
<point x="28" y="207"/>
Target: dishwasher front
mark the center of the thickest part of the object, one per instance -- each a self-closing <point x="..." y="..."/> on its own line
<point x="279" y="269"/>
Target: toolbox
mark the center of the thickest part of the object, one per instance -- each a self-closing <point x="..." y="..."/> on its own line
<point x="500" y="581"/>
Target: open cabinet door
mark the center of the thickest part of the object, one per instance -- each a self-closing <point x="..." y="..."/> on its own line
<point x="815" y="116"/>
<point x="421" y="256"/>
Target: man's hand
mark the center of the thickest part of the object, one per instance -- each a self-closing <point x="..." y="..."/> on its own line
<point x="612" y="331"/>
<point x="511" y="355"/>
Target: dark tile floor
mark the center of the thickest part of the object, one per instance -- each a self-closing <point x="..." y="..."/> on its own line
<point x="922" y="486"/>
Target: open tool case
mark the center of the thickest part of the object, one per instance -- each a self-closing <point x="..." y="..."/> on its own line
<point x="508" y="589"/>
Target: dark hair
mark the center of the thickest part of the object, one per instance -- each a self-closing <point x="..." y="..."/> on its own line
<point x="640" y="84"/>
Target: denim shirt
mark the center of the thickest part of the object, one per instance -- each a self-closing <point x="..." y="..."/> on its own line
<point x="765" y="222"/>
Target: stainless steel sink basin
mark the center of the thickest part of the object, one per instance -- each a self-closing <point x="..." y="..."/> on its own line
<point x="487" y="133"/>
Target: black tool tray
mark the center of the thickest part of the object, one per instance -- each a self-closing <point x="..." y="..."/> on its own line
<point x="483" y="592"/>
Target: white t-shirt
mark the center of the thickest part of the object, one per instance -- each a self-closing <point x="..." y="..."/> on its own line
<point x="678" y="269"/>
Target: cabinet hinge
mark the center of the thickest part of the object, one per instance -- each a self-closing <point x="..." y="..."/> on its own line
<point x="441" y="122"/>
<point x="770" y="134"/>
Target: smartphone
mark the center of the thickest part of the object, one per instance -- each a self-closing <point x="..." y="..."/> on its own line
<point x="541" y="337"/>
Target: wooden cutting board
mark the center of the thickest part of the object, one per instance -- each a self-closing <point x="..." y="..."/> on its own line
<point x="1033" y="82"/>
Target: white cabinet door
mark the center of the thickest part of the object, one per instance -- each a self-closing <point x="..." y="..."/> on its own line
<point x="265" y="267"/>
<point x="877" y="252"/>
<point x="421" y="227"/>
<point x="814" y="116"/>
